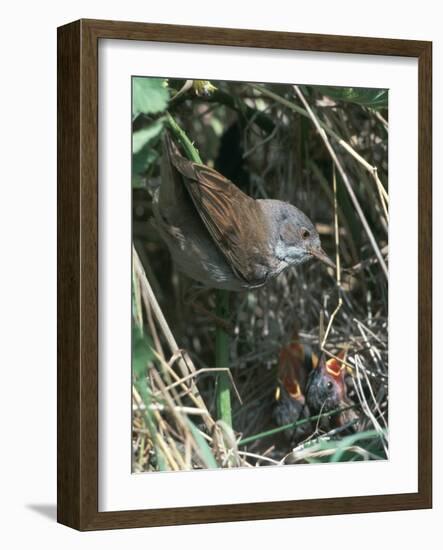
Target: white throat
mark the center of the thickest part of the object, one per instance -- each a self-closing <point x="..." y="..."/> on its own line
<point x="290" y="255"/>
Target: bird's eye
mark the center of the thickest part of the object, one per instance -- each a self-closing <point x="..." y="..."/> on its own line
<point x="305" y="233"/>
<point x="329" y="385"/>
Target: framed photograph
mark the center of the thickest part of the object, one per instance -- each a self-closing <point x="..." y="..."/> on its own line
<point x="244" y="274"/>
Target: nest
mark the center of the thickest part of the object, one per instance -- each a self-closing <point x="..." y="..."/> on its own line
<point x="281" y="333"/>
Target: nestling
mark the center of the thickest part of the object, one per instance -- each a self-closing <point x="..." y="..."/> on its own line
<point x="326" y="390"/>
<point x="294" y="364"/>
<point x="220" y="236"/>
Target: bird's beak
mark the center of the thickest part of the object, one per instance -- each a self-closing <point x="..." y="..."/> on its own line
<point x="321" y="255"/>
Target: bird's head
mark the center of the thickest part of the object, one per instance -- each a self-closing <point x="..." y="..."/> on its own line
<point x="327" y="390"/>
<point x="297" y="240"/>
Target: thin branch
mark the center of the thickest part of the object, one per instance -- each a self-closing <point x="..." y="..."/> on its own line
<point x="337" y="262"/>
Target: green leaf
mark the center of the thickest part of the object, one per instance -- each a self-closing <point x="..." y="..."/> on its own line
<point x="350" y="440"/>
<point x="149" y="95"/>
<point x="142" y="160"/>
<point x="144" y="153"/>
<point x="137" y="181"/>
<point x="204" y="450"/>
<point x="366" y="97"/>
<point x="142" y="137"/>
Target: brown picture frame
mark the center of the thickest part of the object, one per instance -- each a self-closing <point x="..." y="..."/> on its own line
<point x="77" y="480"/>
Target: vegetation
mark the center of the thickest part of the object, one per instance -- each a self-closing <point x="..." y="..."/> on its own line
<point x="210" y="368"/>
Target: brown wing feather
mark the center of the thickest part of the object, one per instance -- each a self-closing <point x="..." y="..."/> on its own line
<point x="224" y="208"/>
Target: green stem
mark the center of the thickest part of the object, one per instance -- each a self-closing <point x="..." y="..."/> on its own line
<point x="223" y="383"/>
<point x="190" y="151"/>
<point x="261" y="435"/>
<point x="223" y="386"/>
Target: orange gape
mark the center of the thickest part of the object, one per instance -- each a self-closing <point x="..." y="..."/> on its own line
<point x="293" y="372"/>
<point x="291" y="362"/>
<point x="309" y="385"/>
<point x="335" y="367"/>
<point x="294" y="368"/>
<point x="326" y="390"/>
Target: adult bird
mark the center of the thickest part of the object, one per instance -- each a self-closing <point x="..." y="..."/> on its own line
<point x="220" y="236"/>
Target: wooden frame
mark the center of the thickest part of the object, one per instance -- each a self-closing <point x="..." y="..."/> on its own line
<point x="78" y="285"/>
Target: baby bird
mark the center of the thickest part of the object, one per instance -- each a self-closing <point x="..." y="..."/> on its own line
<point x="326" y="391"/>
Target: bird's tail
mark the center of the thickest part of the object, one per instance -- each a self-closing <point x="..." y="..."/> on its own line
<point x="171" y="192"/>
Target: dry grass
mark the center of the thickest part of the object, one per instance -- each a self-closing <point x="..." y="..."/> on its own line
<point x="174" y="418"/>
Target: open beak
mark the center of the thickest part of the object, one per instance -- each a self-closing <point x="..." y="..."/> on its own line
<point x="321" y="255"/>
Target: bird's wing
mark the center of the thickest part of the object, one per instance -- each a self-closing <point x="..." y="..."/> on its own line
<point x="234" y="220"/>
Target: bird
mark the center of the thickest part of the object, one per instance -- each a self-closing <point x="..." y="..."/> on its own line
<point x="294" y="365"/>
<point x="220" y="236"/>
<point x="326" y="391"/>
